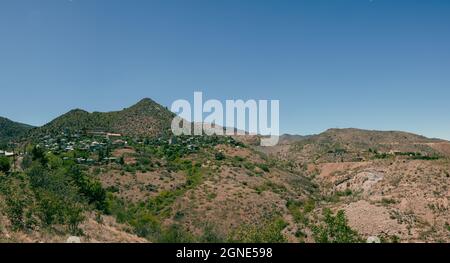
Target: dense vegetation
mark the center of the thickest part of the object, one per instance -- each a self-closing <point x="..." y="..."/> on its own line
<point x="50" y="194"/>
<point x="10" y="130"/>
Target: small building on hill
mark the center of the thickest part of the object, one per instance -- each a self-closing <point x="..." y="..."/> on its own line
<point x="7" y="154"/>
<point x="112" y="136"/>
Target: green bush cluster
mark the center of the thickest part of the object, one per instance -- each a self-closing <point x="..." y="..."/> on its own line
<point x="300" y="210"/>
<point x="41" y="198"/>
<point x="5" y="164"/>
<point x="49" y="192"/>
<point x="335" y="229"/>
<point x="269" y="231"/>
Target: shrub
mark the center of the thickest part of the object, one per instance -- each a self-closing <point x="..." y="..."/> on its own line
<point x="74" y="216"/>
<point x="210" y="235"/>
<point x="15" y="211"/>
<point x="346" y="192"/>
<point x="38" y="154"/>
<point x="91" y="188"/>
<point x="42" y="196"/>
<point x="50" y="208"/>
<point x="219" y="156"/>
<point x="238" y="158"/>
<point x="267" y="232"/>
<point x="388" y="201"/>
<point x="146" y="225"/>
<point x="143" y="161"/>
<point x="18" y="200"/>
<point x="54" y="161"/>
<point x="335" y="229"/>
<point x="27" y="161"/>
<point x="5" y="165"/>
<point x="309" y="206"/>
<point x="264" y="167"/>
<point x="113" y="189"/>
<point x="175" y="234"/>
<point x="295" y="210"/>
<point x="178" y="216"/>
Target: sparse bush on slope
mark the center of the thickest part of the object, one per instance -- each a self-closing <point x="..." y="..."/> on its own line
<point x="335" y="229"/>
<point x="269" y="231"/>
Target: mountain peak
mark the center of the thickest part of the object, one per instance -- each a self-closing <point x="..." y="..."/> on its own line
<point x="144" y="102"/>
<point x="77" y="110"/>
<point x="145" y="118"/>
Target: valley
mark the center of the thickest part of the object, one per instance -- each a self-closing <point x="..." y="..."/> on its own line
<point x="123" y="177"/>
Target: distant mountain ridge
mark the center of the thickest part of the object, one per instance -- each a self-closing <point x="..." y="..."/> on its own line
<point x="146" y="118"/>
<point x="10" y="130"/>
<point x="352" y="144"/>
<point x="290" y="138"/>
<point x="361" y="136"/>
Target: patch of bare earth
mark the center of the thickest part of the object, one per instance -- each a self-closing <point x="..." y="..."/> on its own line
<point x="127" y="154"/>
<point x="442" y="147"/>
<point x="372" y="220"/>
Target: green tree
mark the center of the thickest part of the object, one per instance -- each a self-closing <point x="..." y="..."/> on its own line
<point x="145" y="224"/>
<point x="91" y="188"/>
<point x="269" y="231"/>
<point x="38" y="154"/>
<point x="74" y="216"/>
<point x="17" y="199"/>
<point x="50" y="208"/>
<point x="5" y="164"/>
<point x="101" y="156"/>
<point x="26" y="162"/>
<point x="54" y="161"/>
<point x="335" y="229"/>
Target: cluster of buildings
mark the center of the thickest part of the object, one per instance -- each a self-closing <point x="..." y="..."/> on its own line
<point x="89" y="142"/>
<point x="92" y="141"/>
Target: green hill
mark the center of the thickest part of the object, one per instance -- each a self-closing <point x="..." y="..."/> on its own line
<point x="10" y="130"/>
<point x="146" y="118"/>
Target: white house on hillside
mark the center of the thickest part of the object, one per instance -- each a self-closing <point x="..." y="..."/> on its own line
<point x="6" y="153"/>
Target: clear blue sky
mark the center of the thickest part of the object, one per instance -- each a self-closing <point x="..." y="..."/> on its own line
<point x="379" y="64"/>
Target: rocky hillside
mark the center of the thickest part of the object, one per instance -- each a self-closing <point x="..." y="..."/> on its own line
<point x="337" y="145"/>
<point x="343" y="185"/>
<point x="146" y="118"/>
<point x="393" y="186"/>
<point x="166" y="189"/>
